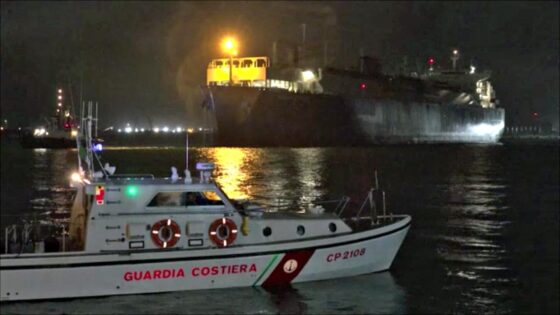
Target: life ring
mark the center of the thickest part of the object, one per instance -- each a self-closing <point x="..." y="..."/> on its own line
<point x="223" y="232"/>
<point x="165" y="233"/>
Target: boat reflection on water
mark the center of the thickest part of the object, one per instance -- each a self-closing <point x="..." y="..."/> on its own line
<point x="367" y="294"/>
<point x="374" y="293"/>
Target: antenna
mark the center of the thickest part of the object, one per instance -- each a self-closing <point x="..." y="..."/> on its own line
<point x="187" y="149"/>
<point x="96" y="120"/>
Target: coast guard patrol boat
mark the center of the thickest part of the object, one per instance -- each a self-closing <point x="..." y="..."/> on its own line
<point x="132" y="234"/>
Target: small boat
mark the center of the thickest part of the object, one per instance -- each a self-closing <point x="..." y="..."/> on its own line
<point x="132" y="234"/>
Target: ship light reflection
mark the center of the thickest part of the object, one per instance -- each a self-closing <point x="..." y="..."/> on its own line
<point x="230" y="164"/>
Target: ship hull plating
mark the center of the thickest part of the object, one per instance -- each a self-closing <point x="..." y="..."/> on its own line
<point x="254" y="117"/>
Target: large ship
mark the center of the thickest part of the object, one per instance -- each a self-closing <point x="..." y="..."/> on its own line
<point x="256" y="103"/>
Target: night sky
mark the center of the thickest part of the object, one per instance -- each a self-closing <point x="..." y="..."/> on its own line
<point x="145" y="61"/>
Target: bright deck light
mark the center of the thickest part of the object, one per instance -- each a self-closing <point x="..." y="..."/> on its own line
<point x="75" y="177"/>
<point x="307" y="75"/>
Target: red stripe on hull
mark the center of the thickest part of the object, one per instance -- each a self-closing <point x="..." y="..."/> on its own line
<point x="288" y="268"/>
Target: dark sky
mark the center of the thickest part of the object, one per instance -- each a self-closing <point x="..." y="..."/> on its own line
<point x="145" y="60"/>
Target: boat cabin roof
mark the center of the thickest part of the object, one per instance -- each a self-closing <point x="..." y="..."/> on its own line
<point x="120" y="181"/>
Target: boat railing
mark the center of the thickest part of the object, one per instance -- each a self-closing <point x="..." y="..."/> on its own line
<point x="132" y="176"/>
<point x="28" y="237"/>
<point x="279" y="205"/>
<point x="374" y="200"/>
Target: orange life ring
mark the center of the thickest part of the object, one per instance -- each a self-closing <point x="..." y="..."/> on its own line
<point x="223" y="232"/>
<point x="165" y="233"/>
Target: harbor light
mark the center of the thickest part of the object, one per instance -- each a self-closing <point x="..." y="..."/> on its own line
<point x="74" y="133"/>
<point x="59" y="104"/>
<point x="178" y="129"/>
<point x="59" y="91"/>
<point x="119" y="130"/>
<point x="60" y="97"/>
<point x="128" y="129"/>
<point x="229" y="46"/>
<point x="165" y="129"/>
<point x="190" y="130"/>
<point x="156" y="130"/>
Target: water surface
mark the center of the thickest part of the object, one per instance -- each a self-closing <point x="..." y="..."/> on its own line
<point x="484" y="237"/>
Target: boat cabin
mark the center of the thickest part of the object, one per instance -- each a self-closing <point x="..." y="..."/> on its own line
<point x="146" y="213"/>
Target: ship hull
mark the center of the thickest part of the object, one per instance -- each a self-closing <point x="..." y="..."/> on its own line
<point x="254" y="117"/>
<point x="70" y="275"/>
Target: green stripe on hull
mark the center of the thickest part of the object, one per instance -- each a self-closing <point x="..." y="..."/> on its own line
<point x="266" y="269"/>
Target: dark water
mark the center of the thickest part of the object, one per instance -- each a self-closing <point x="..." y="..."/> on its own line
<point x="484" y="237"/>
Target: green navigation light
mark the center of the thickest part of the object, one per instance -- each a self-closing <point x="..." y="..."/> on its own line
<point x="131" y="191"/>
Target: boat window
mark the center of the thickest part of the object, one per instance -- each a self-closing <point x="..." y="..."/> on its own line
<point x="219" y="64"/>
<point x="185" y="199"/>
<point x="261" y="63"/>
<point x="236" y="63"/>
<point x="247" y="63"/>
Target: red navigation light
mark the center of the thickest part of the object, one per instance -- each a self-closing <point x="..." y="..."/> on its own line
<point x="362" y="86"/>
<point x="431" y="61"/>
<point x="66" y="125"/>
<point x="99" y="194"/>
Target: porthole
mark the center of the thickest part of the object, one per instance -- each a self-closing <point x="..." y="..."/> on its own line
<point x="267" y="231"/>
<point x="332" y="227"/>
<point x="300" y="230"/>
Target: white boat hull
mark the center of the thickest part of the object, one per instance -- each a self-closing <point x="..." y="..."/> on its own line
<point x="76" y="274"/>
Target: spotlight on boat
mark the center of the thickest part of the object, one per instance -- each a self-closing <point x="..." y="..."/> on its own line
<point x="487" y="130"/>
<point x="75" y="177"/>
<point x="40" y="132"/>
<point x="307" y="75"/>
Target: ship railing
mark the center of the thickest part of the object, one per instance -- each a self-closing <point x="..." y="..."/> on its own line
<point x="374" y="202"/>
<point x="28" y="236"/>
<point x="132" y="176"/>
<point x="335" y="206"/>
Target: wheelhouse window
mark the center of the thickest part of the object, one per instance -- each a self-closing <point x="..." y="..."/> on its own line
<point x="186" y="199"/>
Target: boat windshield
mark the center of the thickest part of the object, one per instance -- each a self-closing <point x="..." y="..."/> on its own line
<point x="186" y="199"/>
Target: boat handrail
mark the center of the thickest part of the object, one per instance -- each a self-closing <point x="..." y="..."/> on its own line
<point x="132" y="176"/>
<point x="280" y="204"/>
<point x="371" y="200"/>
